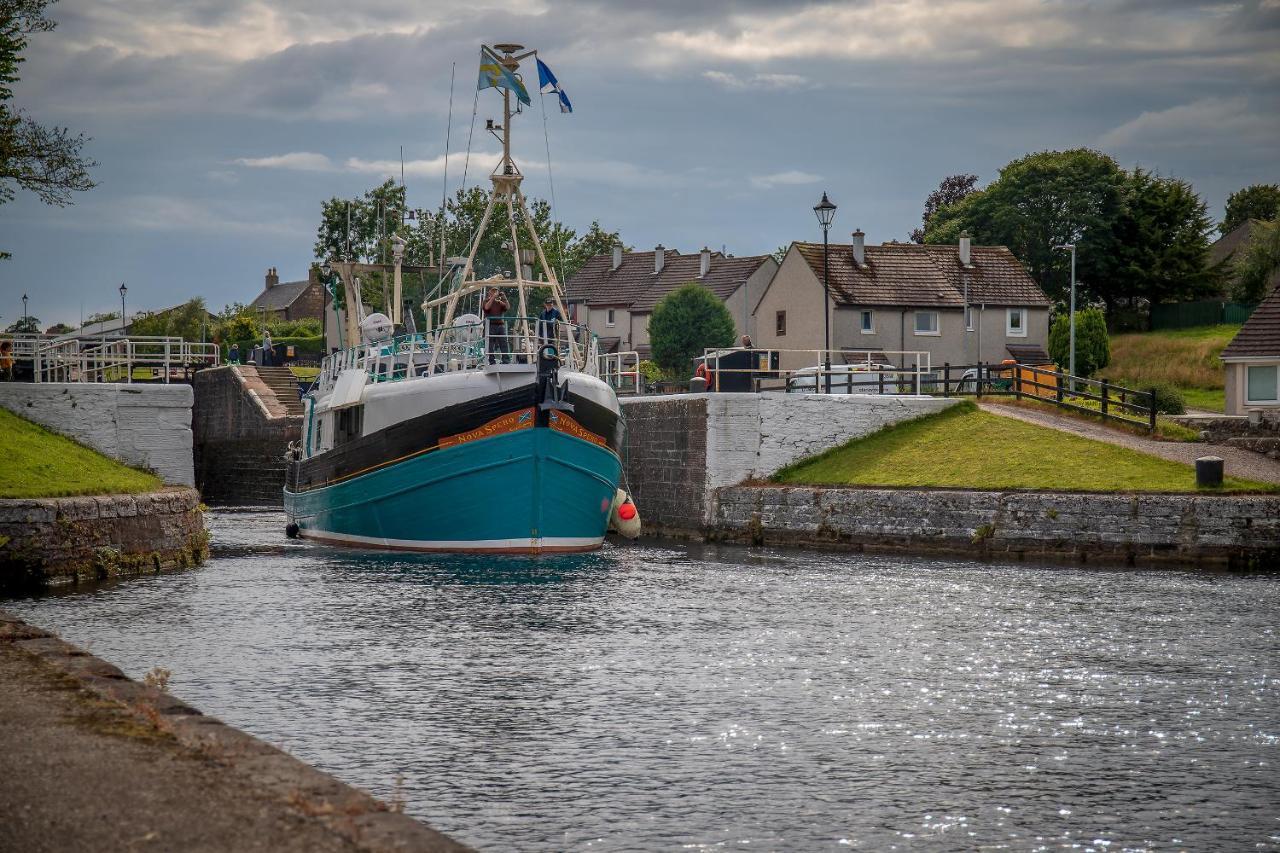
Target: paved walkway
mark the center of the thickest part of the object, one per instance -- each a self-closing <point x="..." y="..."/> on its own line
<point x="1237" y="462"/>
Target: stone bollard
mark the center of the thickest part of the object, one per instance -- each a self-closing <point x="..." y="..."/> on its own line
<point x="697" y="385"/>
<point x="1209" y="471"/>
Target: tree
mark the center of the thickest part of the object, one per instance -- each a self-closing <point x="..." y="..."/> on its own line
<point x="44" y="160"/>
<point x="58" y="329"/>
<point x="1258" y="266"/>
<point x="684" y="323"/>
<point x="26" y="326"/>
<point x="360" y="229"/>
<point x="102" y="317"/>
<point x="1093" y="347"/>
<point x="1159" y="244"/>
<point x="189" y="321"/>
<point x="1041" y="201"/>
<point x="1259" y="201"/>
<point x="953" y="189"/>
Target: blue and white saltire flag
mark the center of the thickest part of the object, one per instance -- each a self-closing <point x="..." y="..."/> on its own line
<point x="494" y="73"/>
<point x="545" y="79"/>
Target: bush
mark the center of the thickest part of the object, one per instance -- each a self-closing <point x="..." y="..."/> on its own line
<point x="684" y="323"/>
<point x="1168" y="399"/>
<point x="307" y="327"/>
<point x="304" y="347"/>
<point x="1093" y="347"/>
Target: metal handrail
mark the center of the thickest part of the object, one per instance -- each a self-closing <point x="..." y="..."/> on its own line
<point x="907" y="379"/>
<point x="93" y="359"/>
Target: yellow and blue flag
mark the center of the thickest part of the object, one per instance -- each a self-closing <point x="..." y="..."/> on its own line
<point x="545" y="79"/>
<point x="494" y="73"/>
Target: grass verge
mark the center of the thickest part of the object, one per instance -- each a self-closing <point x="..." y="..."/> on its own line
<point x="1166" y="430"/>
<point x="966" y="448"/>
<point x="42" y="464"/>
<point x="1185" y="358"/>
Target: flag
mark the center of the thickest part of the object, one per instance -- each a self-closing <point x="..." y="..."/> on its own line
<point x="547" y="79"/>
<point x="494" y="73"/>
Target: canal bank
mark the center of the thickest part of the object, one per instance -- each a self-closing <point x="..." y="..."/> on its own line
<point x="73" y="728"/>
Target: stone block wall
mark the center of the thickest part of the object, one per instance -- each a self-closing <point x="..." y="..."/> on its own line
<point x="666" y="460"/>
<point x="146" y="426"/>
<point x="58" y="540"/>
<point x="240" y="436"/>
<point x="1182" y="530"/>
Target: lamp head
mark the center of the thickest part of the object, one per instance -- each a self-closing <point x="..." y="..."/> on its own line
<point x="825" y="210"/>
<point x="326" y="269"/>
<point x="123" y="289"/>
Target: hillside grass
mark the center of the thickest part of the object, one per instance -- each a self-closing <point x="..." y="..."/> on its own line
<point x="1184" y="358"/>
<point x="42" y="464"/>
<point x="966" y="448"/>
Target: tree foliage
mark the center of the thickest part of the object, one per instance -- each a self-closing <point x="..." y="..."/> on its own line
<point x="1259" y="201"/>
<point x="684" y="323"/>
<point x="952" y="189"/>
<point x="1258" y="265"/>
<point x="1093" y="347"/>
<point x="25" y="326"/>
<point x="44" y="160"/>
<point x="190" y="321"/>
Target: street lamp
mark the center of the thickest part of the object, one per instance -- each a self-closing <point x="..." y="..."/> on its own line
<point x="24" y="309"/>
<point x="123" y="291"/>
<point x="825" y="210"/>
<point x="1071" y="369"/>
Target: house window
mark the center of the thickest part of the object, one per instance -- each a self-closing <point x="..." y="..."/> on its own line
<point x="780" y="324"/>
<point x="1015" y="325"/>
<point x="968" y="318"/>
<point x="609" y="318"/>
<point x="927" y="323"/>
<point x="868" y="322"/>
<point x="1262" y="382"/>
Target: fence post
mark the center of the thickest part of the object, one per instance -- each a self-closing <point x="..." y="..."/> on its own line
<point x="880" y="376"/>
<point x="915" y="379"/>
<point x="946" y="379"/>
<point x="977" y="382"/>
<point x="1058" y="382"/>
<point x="1105" y="386"/>
<point x="1151" y="395"/>
<point x="1016" y="370"/>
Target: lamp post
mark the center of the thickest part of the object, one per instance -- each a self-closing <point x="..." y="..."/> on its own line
<point x="825" y="210"/>
<point x="24" y="310"/>
<point x="123" y="291"/>
<point x="1071" y="368"/>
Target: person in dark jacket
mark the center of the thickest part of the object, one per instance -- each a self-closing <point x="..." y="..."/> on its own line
<point x="495" y="306"/>
<point x="547" y="320"/>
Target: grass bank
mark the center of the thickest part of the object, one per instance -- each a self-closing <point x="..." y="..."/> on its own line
<point x="42" y="464"/>
<point x="1185" y="358"/>
<point x="966" y="448"/>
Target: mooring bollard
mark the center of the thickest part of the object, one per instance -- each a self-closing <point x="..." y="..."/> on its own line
<point x="697" y="385"/>
<point x="1209" y="471"/>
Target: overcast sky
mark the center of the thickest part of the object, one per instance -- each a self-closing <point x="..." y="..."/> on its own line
<point x="220" y="125"/>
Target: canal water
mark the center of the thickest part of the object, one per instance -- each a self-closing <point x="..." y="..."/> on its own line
<point x="665" y="696"/>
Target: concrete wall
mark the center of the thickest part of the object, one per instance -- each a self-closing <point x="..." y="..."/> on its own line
<point x="60" y="540"/>
<point x="240" y="439"/>
<point x="146" y="426"/>
<point x="681" y="448"/>
<point x="1181" y="530"/>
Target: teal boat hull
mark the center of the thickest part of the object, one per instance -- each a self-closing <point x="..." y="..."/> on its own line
<point x="530" y="491"/>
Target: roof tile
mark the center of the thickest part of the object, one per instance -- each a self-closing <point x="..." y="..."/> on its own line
<point x="1260" y="335"/>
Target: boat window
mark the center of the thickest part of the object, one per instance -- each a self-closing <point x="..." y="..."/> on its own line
<point x="348" y="424"/>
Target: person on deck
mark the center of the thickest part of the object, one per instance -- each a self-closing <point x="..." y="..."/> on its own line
<point x="495" y="306"/>
<point x="547" y="329"/>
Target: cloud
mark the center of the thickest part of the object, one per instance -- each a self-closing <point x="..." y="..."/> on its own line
<point x="300" y="161"/>
<point x="756" y="81"/>
<point x="1205" y="122"/>
<point x="791" y="177"/>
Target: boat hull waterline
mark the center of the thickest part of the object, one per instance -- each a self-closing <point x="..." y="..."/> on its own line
<point x="530" y="491"/>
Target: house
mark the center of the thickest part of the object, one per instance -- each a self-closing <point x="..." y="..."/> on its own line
<point x="614" y="295"/>
<point x="1252" y="360"/>
<point x="961" y="304"/>
<point x="291" y="300"/>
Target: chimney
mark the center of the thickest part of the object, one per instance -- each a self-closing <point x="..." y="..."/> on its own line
<point x="704" y="262"/>
<point x="617" y="255"/>
<point x="272" y="278"/>
<point x="659" y="258"/>
<point x="859" y="248"/>
<point x="964" y="249"/>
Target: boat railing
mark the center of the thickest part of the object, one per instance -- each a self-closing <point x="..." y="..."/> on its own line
<point x="466" y="346"/>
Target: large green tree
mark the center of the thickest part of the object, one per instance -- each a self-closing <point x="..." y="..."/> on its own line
<point x="1259" y="201"/>
<point x="684" y="323"/>
<point x="47" y="161"/>
<point x="952" y="189"/>
<point x="190" y="320"/>
<point x="1257" y="267"/>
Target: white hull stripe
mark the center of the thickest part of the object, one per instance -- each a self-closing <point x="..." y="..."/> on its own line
<point x="550" y="544"/>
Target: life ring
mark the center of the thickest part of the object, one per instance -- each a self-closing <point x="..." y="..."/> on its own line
<point x="704" y="372"/>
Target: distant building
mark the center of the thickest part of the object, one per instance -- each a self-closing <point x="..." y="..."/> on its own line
<point x="292" y="300"/>
<point x="1252" y="360"/>
<point x="615" y="294"/>
<point x="900" y="297"/>
<point x="1230" y="246"/>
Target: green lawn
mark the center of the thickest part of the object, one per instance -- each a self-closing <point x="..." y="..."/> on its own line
<point x="42" y="464"/>
<point x="966" y="448"/>
<point x="304" y="372"/>
<point x="1186" y="358"/>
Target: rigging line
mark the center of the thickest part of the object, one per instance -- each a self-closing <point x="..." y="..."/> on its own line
<point x="444" y="181"/>
<point x="466" y="164"/>
<point x="546" y="138"/>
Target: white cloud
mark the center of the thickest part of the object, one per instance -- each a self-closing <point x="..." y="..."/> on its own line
<point x="422" y="168"/>
<point x="1208" y="121"/>
<point x="300" y="161"/>
<point x="791" y="177"/>
<point x="756" y="81"/>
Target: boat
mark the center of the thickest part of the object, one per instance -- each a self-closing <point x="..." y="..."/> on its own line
<point x="463" y="437"/>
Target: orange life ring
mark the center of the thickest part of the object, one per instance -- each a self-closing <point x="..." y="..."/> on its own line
<point x="706" y="373"/>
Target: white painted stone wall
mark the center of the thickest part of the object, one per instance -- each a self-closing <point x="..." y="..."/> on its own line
<point x="146" y="426"/>
<point x="752" y="436"/>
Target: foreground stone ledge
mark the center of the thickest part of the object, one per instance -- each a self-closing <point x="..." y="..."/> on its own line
<point x="1219" y="531"/>
<point x="47" y="541"/>
<point x="268" y="774"/>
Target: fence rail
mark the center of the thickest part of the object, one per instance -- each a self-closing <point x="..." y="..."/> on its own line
<point x="119" y="359"/>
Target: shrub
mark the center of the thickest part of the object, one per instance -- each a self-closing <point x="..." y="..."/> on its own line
<point x="684" y="323"/>
<point x="1093" y="347"/>
<point x="1168" y="399"/>
<point x="303" y="347"/>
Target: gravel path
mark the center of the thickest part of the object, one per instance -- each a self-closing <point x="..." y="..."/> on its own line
<point x="1237" y="462"/>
